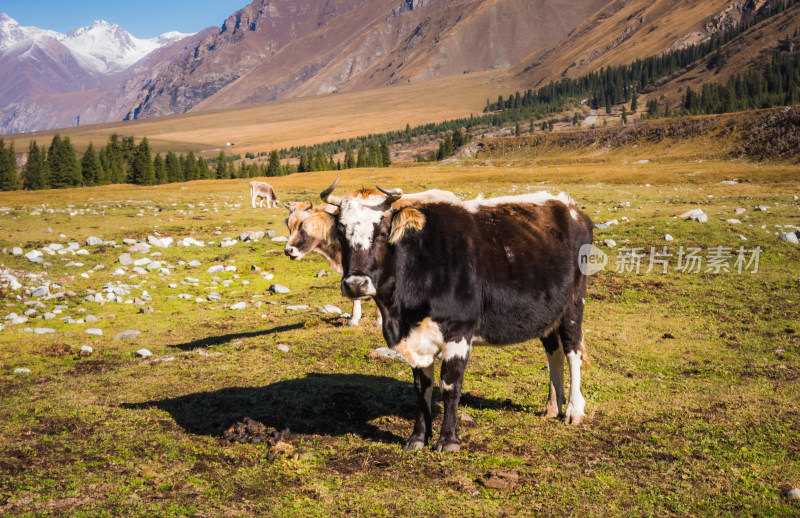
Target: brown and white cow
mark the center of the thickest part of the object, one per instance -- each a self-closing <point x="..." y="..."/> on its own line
<point x="264" y="191"/>
<point x="447" y="276"/>
<point x="313" y="230"/>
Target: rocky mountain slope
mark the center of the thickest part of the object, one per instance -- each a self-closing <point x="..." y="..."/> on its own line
<point x="274" y="49"/>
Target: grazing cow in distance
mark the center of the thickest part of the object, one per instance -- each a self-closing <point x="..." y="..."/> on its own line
<point x="264" y="191"/>
<point x="313" y="229"/>
<point x="447" y="276"/>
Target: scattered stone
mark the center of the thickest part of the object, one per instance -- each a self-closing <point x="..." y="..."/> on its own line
<point x="230" y="268"/>
<point x="739" y="210"/>
<point x="277" y="288"/>
<point x="48" y="316"/>
<point x="466" y="418"/>
<point x="226" y="242"/>
<point x="668" y="237"/>
<point x="330" y="308"/>
<point x="128" y="334"/>
<point x="610" y="243"/>
<point x="143" y="353"/>
<point x="41" y="291"/>
<point x="280" y="239"/>
<point x="238" y="305"/>
<point x="94" y="331"/>
<point x="789" y="237"/>
<point x="762" y="208"/>
<point x="794" y="493"/>
<point x="195" y="263"/>
<point x="283" y="348"/>
<point x="217" y="268"/>
<point x="601" y="226"/>
<point x="86" y="350"/>
<point x="141" y="248"/>
<point x="22" y="370"/>
<point x="252" y="235"/>
<point x="296" y="308"/>
<point x="43" y="330"/>
<point x="271" y="233"/>
<point x="34" y="256"/>
<point x="164" y="359"/>
<point x="125" y="259"/>
<point x="742" y="237"/>
<point x="733" y="221"/>
<point x="163" y="242"/>
<point x="384" y="352"/>
<point x="141" y="262"/>
<point x="17" y="251"/>
<point x="255" y="268"/>
<point x="146" y="310"/>
<point x="322" y="273"/>
<point x="93" y="241"/>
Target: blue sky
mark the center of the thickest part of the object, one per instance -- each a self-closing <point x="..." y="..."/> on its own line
<point x="142" y="18"/>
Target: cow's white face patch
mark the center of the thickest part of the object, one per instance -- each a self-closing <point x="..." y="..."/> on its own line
<point x="359" y="216"/>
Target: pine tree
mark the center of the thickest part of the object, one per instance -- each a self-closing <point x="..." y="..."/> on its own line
<point x="624" y="116"/>
<point x="220" y="171"/>
<point x="142" y="170"/>
<point x="34" y="174"/>
<point x="203" y="171"/>
<point x="386" y="155"/>
<point x="349" y="159"/>
<point x="9" y="179"/>
<point x="160" y="168"/>
<point x="172" y="167"/>
<point x="362" y="156"/>
<point x="274" y="164"/>
<point x="62" y="163"/>
<point x="634" y="102"/>
<point x="113" y="160"/>
<point x="189" y="167"/>
<point x="91" y="168"/>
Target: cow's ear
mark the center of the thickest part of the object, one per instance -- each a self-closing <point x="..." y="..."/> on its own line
<point x="405" y="220"/>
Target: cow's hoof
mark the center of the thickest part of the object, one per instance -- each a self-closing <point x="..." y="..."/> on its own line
<point x="378" y="324"/>
<point x="413" y="445"/>
<point x="447" y="446"/>
<point x="575" y="419"/>
<point x="551" y="412"/>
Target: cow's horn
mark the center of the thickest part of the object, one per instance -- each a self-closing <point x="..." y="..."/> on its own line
<point x="392" y="195"/>
<point x="326" y="195"/>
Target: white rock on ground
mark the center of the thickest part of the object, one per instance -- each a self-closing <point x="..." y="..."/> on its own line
<point x="93" y="241"/>
<point x="277" y="288"/>
<point x="94" y="331"/>
<point x="22" y="370"/>
<point x="668" y="237"/>
<point x="238" y="305"/>
<point x="128" y="334"/>
<point x="86" y="350"/>
<point x="143" y="353"/>
<point x="283" y="348"/>
<point x="789" y="237"/>
<point x="217" y="268"/>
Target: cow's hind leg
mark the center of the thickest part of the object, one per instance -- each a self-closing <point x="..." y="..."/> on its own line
<point x="454" y="362"/>
<point x="571" y="335"/>
<point x="555" y="362"/>
<point x="423" y="385"/>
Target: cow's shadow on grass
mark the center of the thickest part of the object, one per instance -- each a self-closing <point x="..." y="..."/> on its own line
<point x="223" y="339"/>
<point x="320" y="404"/>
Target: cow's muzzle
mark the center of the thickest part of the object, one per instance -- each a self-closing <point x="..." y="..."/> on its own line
<point x="293" y="252"/>
<point x="357" y="286"/>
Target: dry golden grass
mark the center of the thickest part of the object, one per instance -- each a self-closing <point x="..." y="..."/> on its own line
<point x="309" y="120"/>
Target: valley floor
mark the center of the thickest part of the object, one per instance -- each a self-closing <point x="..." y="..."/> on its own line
<point x="691" y="385"/>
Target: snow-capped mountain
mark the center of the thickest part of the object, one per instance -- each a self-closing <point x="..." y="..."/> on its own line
<point x="102" y="47"/>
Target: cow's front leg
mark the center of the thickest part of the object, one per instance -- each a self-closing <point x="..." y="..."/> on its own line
<point x="454" y="361"/>
<point x="353" y="322"/>
<point x="423" y="385"/>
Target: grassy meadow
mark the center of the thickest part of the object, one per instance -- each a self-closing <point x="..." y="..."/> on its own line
<point x="692" y="382"/>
